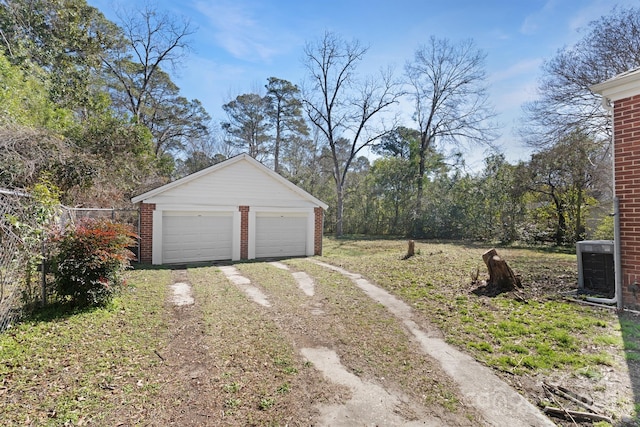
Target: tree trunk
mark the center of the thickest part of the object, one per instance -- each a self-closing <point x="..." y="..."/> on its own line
<point x="339" y="209"/>
<point x="500" y="274"/>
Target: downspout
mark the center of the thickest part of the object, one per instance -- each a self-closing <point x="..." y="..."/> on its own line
<point x="617" y="258"/>
<point x="617" y="251"/>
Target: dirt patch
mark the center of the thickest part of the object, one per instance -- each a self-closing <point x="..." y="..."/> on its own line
<point x="369" y="404"/>
<point x="227" y="364"/>
<point x="185" y="372"/>
<point x="369" y="343"/>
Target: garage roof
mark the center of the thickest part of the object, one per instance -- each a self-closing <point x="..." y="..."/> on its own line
<point x="226" y="164"/>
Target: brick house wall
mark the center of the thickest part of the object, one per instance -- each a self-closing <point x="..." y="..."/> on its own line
<point x="146" y="232"/>
<point x="626" y="136"/>
<point x="622" y="94"/>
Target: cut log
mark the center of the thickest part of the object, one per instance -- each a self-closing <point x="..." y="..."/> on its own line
<point x="500" y="274"/>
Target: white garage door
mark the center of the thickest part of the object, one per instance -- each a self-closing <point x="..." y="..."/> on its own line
<point x="196" y="236"/>
<point x="280" y="235"/>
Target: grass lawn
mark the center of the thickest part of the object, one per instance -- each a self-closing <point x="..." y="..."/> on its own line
<point x="73" y="367"/>
<point x="101" y="366"/>
<point x="544" y="338"/>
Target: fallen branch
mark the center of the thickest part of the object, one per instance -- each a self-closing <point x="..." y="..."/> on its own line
<point x="573" y="397"/>
<point x="562" y="410"/>
<point x="577" y="414"/>
<point x="586" y="400"/>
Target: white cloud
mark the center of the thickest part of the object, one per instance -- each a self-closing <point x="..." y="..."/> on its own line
<point x="535" y="20"/>
<point x="237" y="31"/>
<point x="527" y="66"/>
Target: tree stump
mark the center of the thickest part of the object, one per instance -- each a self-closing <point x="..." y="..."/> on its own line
<point x="500" y="274"/>
<point x="411" y="250"/>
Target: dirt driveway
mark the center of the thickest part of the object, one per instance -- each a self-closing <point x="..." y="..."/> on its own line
<point x="301" y="342"/>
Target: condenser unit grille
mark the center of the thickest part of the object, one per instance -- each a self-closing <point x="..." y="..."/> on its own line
<point x="596" y="269"/>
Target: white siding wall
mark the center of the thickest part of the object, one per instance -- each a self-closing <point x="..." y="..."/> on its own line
<point x="239" y="184"/>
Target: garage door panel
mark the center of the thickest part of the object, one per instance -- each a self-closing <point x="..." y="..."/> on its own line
<point x="279" y="235"/>
<point x="189" y="237"/>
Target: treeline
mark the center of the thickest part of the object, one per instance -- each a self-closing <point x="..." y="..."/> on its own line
<point x="90" y="105"/>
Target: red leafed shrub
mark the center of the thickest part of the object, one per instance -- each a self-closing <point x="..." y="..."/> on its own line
<point x="90" y="259"/>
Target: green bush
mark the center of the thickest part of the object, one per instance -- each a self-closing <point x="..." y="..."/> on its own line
<point x="90" y="259"/>
<point x="605" y="229"/>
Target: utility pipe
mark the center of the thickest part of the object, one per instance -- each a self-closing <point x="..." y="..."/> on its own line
<point x="617" y="263"/>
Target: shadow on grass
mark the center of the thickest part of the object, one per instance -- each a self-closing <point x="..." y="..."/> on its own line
<point x="630" y="328"/>
<point x="219" y="263"/>
<point x="56" y="311"/>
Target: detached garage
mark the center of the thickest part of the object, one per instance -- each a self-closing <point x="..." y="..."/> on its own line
<point x="237" y="209"/>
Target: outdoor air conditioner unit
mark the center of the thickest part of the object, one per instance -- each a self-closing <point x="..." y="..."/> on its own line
<point x="596" y="269"/>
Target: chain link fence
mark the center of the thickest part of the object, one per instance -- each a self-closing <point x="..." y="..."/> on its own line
<point x="15" y="275"/>
<point x="23" y="274"/>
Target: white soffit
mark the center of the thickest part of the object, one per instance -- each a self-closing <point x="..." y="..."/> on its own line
<point x="622" y="86"/>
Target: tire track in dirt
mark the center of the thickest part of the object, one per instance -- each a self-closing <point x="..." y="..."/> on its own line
<point x="369" y="402"/>
<point x="500" y="404"/>
<point x="186" y="362"/>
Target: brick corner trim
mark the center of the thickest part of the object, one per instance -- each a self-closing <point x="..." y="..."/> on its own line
<point x="244" y="232"/>
<point x="318" y="229"/>
<point x="146" y="232"/>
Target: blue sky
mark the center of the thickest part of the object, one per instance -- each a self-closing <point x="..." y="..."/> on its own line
<point x="240" y="43"/>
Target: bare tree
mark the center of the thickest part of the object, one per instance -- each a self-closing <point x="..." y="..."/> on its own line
<point x="154" y="42"/>
<point x="152" y="39"/>
<point x="342" y="106"/>
<point x="565" y="102"/>
<point x="447" y="85"/>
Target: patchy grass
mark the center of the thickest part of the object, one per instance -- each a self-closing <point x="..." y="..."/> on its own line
<point x="546" y="335"/>
<point x="370" y="342"/>
<point x="66" y="367"/>
<point x="262" y="379"/>
<point x="114" y="364"/>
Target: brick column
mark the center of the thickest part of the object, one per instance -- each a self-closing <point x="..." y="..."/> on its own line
<point x="146" y="232"/>
<point x="318" y="229"/>
<point x="626" y="124"/>
<point x="244" y="232"/>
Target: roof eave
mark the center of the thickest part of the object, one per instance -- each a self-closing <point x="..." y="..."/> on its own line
<point x="622" y="86"/>
<point x="228" y="162"/>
